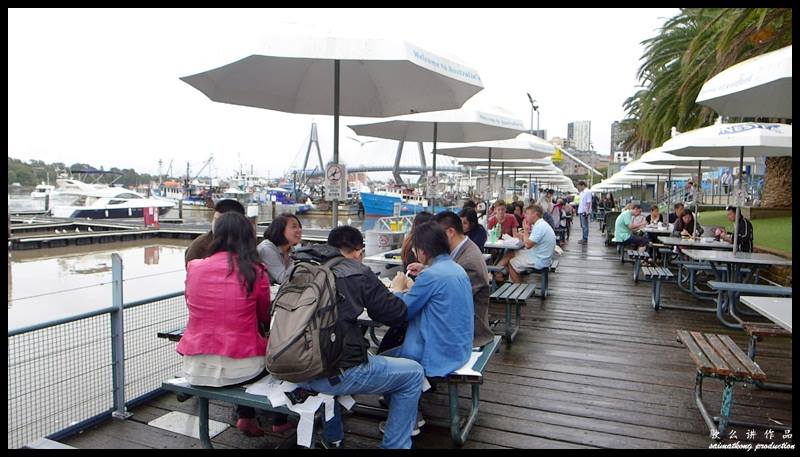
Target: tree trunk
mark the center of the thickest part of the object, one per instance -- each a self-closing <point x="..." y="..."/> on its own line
<point x="778" y="183"/>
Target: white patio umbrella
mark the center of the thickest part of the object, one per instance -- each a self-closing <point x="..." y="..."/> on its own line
<point x="752" y="139"/>
<point x="539" y="169"/>
<point x="524" y="146"/>
<point x="464" y="125"/>
<point x="340" y="76"/>
<point x="757" y="87"/>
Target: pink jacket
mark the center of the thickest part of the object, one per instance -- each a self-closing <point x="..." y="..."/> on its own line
<point x="223" y="320"/>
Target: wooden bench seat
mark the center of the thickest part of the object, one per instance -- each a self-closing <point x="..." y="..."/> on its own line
<point x="235" y="395"/>
<point x="717" y="356"/>
<point x="458" y="432"/>
<point x="657" y="275"/>
<point x="512" y="294"/>
<point x="637" y="261"/>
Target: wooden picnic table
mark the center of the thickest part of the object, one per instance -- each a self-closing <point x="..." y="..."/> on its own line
<point x="393" y="259"/>
<point x="778" y="310"/>
<point x="694" y="244"/>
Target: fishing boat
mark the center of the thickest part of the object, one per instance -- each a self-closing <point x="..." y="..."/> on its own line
<point x="382" y="203"/>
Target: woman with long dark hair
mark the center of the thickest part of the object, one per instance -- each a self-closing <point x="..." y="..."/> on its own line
<point x="473" y="229"/>
<point x="283" y="233"/>
<point x="228" y="297"/>
<point x="406" y="254"/>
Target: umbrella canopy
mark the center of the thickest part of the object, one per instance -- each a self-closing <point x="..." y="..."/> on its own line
<point x="524" y="146"/>
<point x="727" y="140"/>
<point x="751" y="139"/>
<point x="539" y="163"/>
<point x="462" y="125"/>
<point x="379" y="78"/>
<point x="757" y="87"/>
<point x="341" y="76"/>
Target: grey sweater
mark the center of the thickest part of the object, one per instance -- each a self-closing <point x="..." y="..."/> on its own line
<point x="272" y="257"/>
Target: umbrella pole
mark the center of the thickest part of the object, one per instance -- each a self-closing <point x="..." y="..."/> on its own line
<point x="335" y="205"/>
<point x="697" y="196"/>
<point x="502" y="180"/>
<point x="514" y="185"/>
<point x="489" y="179"/>
<point x="669" y="189"/>
<point x="433" y="191"/>
<point x="656" y="191"/>
<point x="530" y="183"/>
<point x="738" y="201"/>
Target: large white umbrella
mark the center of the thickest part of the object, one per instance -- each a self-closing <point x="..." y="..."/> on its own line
<point x="524" y="146"/>
<point x="753" y="139"/>
<point x="341" y="76"/>
<point x="464" y="125"/>
<point x="757" y="87"/>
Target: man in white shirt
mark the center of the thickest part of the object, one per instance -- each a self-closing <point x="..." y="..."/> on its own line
<point x="584" y="210"/>
<point x="539" y="241"/>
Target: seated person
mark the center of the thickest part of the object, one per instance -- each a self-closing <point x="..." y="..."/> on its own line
<point x="625" y="225"/>
<point x="199" y="249"/>
<point x="540" y="243"/>
<point x="232" y="282"/>
<point x="687" y="226"/>
<point x="474" y="230"/>
<point x="508" y="222"/>
<point x="675" y="217"/>
<point x="470" y="204"/>
<point x="280" y="237"/>
<point x="362" y="372"/>
<point x="518" y="212"/>
<point x="406" y="253"/>
<point x="744" y="236"/>
<point x="465" y="253"/>
<point x="654" y="216"/>
<point x="440" y="309"/>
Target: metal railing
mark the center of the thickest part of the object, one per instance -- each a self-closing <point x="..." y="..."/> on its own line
<point x="69" y="374"/>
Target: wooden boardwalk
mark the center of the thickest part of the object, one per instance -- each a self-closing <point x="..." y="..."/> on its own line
<point x="594" y="366"/>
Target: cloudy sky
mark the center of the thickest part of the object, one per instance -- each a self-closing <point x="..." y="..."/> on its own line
<point x="101" y="86"/>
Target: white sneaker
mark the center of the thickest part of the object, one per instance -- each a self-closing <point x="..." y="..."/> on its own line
<point x="415" y="432"/>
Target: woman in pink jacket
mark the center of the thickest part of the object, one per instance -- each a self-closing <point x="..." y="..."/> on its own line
<point x="227" y="294"/>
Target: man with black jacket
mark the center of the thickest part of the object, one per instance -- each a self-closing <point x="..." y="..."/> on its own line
<point x="360" y="372"/>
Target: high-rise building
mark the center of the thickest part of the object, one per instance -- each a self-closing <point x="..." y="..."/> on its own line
<point x="618" y="136"/>
<point x="580" y="134"/>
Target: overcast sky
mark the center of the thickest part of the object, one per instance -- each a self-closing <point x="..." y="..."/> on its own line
<point x="101" y="86"/>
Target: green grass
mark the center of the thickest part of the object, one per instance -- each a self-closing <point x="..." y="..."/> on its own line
<point x="773" y="233"/>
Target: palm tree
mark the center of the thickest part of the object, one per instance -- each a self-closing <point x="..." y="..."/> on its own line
<point x="690" y="49"/>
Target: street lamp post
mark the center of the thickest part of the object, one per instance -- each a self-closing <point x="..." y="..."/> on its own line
<point x="534" y="107"/>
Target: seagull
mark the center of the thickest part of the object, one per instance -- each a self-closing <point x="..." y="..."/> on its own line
<point x="90" y="229"/>
<point x="362" y="143"/>
<point x="77" y="230"/>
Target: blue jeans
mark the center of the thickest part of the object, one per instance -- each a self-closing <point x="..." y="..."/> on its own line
<point x="399" y="378"/>
<point x="585" y="225"/>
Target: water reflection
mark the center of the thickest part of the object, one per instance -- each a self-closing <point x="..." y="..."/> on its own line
<point x="48" y="284"/>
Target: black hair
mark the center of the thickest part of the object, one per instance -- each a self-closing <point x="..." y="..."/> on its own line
<point x="470" y="215"/>
<point x="678" y="205"/>
<point x="731" y="208"/>
<point x="274" y="232"/>
<point x="431" y="239"/>
<point x="635" y="206"/>
<point x="227" y="204"/>
<point x="470" y="204"/>
<point x="346" y="237"/>
<point x="582" y="183"/>
<point x="233" y="234"/>
<point x="449" y="219"/>
<point x="422" y="217"/>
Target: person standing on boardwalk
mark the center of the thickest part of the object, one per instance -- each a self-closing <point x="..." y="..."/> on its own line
<point x="584" y="210"/>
